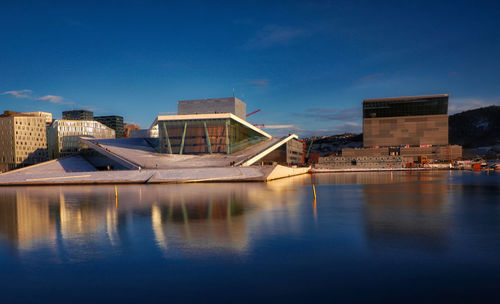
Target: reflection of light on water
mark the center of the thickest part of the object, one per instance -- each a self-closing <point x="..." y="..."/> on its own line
<point x="315" y="212"/>
<point x="160" y="238"/>
<point x="112" y="226"/>
<point x="195" y="217"/>
<point x="196" y="221"/>
<point x="32" y="222"/>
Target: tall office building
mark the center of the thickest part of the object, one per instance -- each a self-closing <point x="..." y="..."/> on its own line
<point x="405" y="121"/>
<point x="23" y="140"/>
<point x="78" y="115"/>
<point x="114" y="122"/>
<point x="63" y="136"/>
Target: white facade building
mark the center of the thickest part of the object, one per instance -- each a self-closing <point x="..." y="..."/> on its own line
<point x="63" y="135"/>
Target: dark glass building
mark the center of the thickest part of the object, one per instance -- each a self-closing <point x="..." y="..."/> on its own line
<point x="406" y="121"/>
<point x="78" y="115"/>
<point x="114" y="122"/>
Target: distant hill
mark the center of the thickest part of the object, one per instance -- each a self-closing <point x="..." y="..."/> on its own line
<point x="326" y="145"/>
<point x="476" y="128"/>
<point x="470" y="129"/>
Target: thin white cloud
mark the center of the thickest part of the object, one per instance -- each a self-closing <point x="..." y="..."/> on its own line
<point x="53" y="99"/>
<point x="329" y="114"/>
<point x="279" y="127"/>
<point x="273" y="35"/>
<point x="259" y="82"/>
<point x="19" y="94"/>
<point x="371" y="77"/>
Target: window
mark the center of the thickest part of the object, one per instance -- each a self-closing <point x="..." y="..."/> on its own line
<point x="406" y="107"/>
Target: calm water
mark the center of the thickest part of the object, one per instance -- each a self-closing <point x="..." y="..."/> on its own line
<point x="388" y="237"/>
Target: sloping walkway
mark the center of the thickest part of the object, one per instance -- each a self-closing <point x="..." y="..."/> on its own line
<point x="138" y="152"/>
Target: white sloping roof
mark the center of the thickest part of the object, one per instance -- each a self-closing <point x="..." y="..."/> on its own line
<point x="268" y="150"/>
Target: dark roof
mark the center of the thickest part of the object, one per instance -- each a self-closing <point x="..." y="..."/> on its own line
<point x="14" y="114"/>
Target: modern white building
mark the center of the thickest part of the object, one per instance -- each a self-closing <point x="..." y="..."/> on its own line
<point x="63" y="135"/>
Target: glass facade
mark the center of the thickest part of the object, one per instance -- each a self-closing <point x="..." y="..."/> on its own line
<point x="63" y="136"/>
<point x="429" y="105"/>
<point x="114" y="122"/>
<point x="205" y="136"/>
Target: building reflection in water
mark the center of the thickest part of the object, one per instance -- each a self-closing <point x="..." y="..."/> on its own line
<point x="26" y="220"/>
<point x="86" y="222"/>
<point x="404" y="211"/>
<point x="384" y="177"/>
<point x="218" y="217"/>
<point x="202" y="220"/>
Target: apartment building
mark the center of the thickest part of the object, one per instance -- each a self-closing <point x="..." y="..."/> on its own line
<point x="23" y="140"/>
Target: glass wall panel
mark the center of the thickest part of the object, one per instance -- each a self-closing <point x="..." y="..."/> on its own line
<point x="194" y="136"/>
<point x="242" y="137"/>
<point x="405" y="107"/>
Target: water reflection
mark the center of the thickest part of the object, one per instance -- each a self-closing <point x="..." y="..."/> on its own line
<point x="384" y="177"/>
<point x="202" y="221"/>
<point x="88" y="221"/>
<point x="272" y="241"/>
<point x="407" y="215"/>
<point x="26" y="220"/>
<point x="388" y="210"/>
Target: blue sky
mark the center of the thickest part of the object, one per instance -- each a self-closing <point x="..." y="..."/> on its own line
<point x="308" y="64"/>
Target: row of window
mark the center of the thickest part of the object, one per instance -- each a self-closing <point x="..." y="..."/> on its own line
<point x="19" y="122"/>
<point x="30" y="138"/>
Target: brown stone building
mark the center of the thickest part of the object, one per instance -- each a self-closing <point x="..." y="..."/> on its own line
<point x="405" y="121"/>
<point x="415" y="128"/>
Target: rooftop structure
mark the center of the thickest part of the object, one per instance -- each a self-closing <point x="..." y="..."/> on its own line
<point x="212" y="106"/>
<point x="78" y="115"/>
<point x="405" y="121"/>
<point x="23" y="140"/>
<point x="46" y="115"/>
<point x="63" y="135"/>
<point x="114" y="122"/>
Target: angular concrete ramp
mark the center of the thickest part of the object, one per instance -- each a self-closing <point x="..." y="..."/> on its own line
<point x="137" y="152"/>
<point x="189" y="175"/>
<point x="283" y="172"/>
